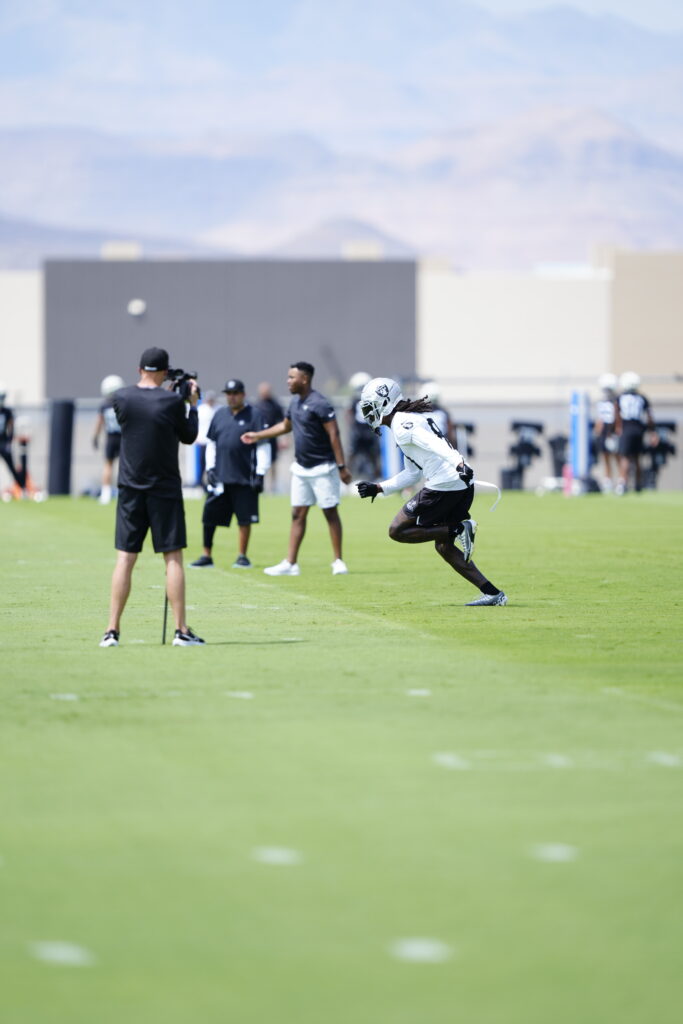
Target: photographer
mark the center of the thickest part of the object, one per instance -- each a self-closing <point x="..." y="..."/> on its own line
<point x="153" y="420"/>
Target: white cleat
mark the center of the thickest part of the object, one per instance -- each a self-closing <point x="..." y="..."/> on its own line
<point x="283" y="568"/>
<point x="489" y="599"/>
<point x="466" y="537"/>
<point x="339" y="567"/>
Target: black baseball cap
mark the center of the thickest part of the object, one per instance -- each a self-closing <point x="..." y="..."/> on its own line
<point x="233" y="385"/>
<point x="154" y="359"/>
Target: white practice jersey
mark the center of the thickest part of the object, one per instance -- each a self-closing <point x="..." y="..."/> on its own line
<point x="427" y="454"/>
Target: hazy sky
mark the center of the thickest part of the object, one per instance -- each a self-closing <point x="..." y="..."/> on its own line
<point x="664" y="15"/>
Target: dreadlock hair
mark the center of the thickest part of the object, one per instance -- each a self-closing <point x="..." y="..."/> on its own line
<point x="419" y="405"/>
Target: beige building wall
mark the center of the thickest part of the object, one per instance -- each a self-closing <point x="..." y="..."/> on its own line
<point x="512" y="338"/>
<point x="22" y="360"/>
<point x="647" y="318"/>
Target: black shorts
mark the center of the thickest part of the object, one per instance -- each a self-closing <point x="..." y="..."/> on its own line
<point x="631" y="440"/>
<point x="606" y="440"/>
<point x="112" y="447"/>
<point x="439" y="508"/>
<point x="236" y="500"/>
<point x="139" y="511"/>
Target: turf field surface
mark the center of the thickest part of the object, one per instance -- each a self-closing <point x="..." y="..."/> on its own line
<point x="355" y="770"/>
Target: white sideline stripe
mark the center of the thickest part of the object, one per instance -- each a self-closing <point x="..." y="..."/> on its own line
<point x="554" y="853"/>
<point x="65" y="954"/>
<point x="419" y="693"/>
<point x="281" y="856"/>
<point x="421" y="950"/>
<point x="64" y="696"/>
<point x="239" y="694"/>
<point x="446" y="759"/>
<point x="665" y="759"/>
<point x="663" y="705"/>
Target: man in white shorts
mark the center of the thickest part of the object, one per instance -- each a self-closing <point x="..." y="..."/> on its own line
<point x="318" y="468"/>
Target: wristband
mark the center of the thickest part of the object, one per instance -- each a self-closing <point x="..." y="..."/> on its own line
<point x="341" y="465"/>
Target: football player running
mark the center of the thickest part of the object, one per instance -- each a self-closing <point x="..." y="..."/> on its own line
<point x="439" y="512"/>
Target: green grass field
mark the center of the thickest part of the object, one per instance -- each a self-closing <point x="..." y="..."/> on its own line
<point x="521" y="810"/>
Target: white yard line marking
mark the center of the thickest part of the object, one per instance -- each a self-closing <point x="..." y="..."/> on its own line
<point x="664" y="759"/>
<point x="455" y="763"/>
<point x="557" y="760"/>
<point x="239" y="694"/>
<point x="421" y="950"/>
<point x="64" y="696"/>
<point x="554" y="853"/>
<point x="419" y="693"/>
<point x="653" y="702"/>
<point x="63" y="954"/>
<point x="280" y="856"/>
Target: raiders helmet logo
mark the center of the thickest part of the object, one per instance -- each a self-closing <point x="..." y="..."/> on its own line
<point x="383" y="391"/>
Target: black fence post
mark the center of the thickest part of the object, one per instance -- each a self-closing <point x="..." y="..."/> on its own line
<point x="61" y="437"/>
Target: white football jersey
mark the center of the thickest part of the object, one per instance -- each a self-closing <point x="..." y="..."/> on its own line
<point x="427" y="454"/>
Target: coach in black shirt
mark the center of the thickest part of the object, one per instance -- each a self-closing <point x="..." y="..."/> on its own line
<point x="318" y="465"/>
<point x="234" y="473"/>
<point x="153" y="420"/>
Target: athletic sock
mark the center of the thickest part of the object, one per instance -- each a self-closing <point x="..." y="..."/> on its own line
<point x="489" y="589"/>
<point x="209" y="531"/>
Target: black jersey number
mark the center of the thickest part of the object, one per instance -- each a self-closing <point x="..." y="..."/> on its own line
<point x="435" y="430"/>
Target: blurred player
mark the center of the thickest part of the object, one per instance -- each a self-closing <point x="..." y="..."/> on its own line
<point x="633" y="419"/>
<point x="606" y="439"/>
<point x="6" y="438"/>
<point x="364" y="456"/>
<point x="106" y="418"/>
<point x="439" y="512"/>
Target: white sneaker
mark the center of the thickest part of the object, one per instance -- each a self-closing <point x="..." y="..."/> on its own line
<point x="283" y="568"/>
<point x="339" y="567"/>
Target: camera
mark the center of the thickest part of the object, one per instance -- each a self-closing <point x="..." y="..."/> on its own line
<point x="180" y="382"/>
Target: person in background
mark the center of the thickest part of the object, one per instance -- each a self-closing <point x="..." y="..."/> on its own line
<point x="318" y="465"/>
<point x="205" y="413"/>
<point x="106" y="419"/>
<point x="606" y="440"/>
<point x="633" y="418"/>
<point x="6" y="438"/>
<point x="364" y="457"/>
<point x="272" y="412"/>
<point x="234" y="473"/>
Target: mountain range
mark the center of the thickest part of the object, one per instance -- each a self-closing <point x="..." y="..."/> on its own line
<point x="496" y="142"/>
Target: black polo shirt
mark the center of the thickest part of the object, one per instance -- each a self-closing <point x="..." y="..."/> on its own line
<point x="311" y="441"/>
<point x="235" y="461"/>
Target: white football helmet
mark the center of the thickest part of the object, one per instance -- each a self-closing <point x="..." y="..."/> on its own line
<point x="608" y="381"/>
<point x="629" y="381"/>
<point x="432" y="391"/>
<point x="357" y="381"/>
<point x="111" y="384"/>
<point x="379" y="397"/>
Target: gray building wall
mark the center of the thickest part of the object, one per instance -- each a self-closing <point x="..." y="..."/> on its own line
<point x="242" y="318"/>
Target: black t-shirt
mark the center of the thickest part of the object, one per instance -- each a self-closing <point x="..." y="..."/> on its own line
<point x="6" y="425"/>
<point x="153" y="421"/>
<point x="235" y="461"/>
<point x="311" y="441"/>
